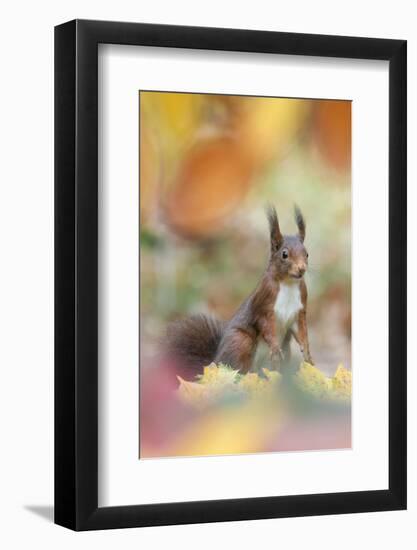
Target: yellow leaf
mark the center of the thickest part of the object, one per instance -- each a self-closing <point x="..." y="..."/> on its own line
<point x="311" y="380"/>
<point x="272" y="375"/>
<point x="251" y="383"/>
<point x="342" y="382"/>
<point x="192" y="393"/>
<point x="218" y="374"/>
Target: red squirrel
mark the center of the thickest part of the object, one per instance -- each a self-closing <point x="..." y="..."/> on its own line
<point x="274" y="312"/>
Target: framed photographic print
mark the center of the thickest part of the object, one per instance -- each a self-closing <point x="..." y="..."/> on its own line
<point x="230" y="248"/>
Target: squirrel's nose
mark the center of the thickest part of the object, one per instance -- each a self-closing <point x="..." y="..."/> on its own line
<point x="301" y="271"/>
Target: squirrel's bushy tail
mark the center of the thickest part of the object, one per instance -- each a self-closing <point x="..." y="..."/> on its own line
<point x="193" y="342"/>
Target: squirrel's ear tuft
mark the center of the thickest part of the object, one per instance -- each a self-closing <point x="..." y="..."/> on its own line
<point x="301" y="224"/>
<point x="276" y="236"/>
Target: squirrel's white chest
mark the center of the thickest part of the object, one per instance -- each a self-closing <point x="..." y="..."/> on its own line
<point x="288" y="303"/>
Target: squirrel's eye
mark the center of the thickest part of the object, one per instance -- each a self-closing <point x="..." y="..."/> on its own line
<point x="284" y="254"/>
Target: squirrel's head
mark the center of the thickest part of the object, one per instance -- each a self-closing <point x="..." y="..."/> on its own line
<point x="289" y="257"/>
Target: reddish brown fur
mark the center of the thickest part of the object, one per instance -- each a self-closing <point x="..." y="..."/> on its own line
<point x="197" y="341"/>
<point x="255" y="318"/>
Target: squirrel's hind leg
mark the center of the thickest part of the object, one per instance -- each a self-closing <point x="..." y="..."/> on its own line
<point x="286" y="347"/>
<point x="237" y="350"/>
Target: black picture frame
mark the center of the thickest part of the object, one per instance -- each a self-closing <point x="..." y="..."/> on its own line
<point x="76" y="272"/>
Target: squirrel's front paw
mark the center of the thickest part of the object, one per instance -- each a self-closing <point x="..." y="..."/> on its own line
<point x="306" y="355"/>
<point x="308" y="359"/>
